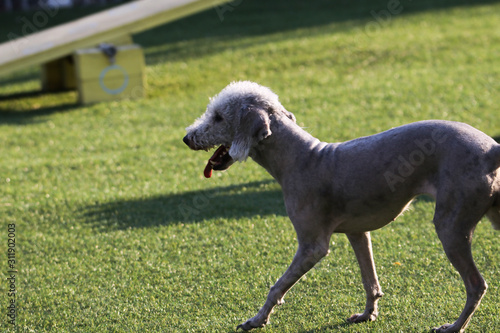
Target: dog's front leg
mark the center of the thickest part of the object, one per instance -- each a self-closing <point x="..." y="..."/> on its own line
<point x="306" y="257"/>
<point x="362" y="245"/>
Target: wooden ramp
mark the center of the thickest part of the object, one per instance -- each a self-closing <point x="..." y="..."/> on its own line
<point x="54" y="48"/>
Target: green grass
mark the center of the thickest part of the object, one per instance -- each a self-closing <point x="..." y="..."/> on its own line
<point x="116" y="229"/>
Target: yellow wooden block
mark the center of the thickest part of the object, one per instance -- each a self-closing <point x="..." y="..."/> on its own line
<point x="59" y="75"/>
<point x="99" y="79"/>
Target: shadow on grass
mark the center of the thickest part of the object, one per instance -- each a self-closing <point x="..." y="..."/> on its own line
<point x="20" y="77"/>
<point x="31" y="93"/>
<point x="345" y="325"/>
<point x="25" y="117"/>
<point x="259" y="198"/>
<point x="235" y="201"/>
<point x="330" y="328"/>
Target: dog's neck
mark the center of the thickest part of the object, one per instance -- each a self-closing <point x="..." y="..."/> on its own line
<point x="292" y="141"/>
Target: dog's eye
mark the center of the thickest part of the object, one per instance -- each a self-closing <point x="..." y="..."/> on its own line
<point x="218" y="118"/>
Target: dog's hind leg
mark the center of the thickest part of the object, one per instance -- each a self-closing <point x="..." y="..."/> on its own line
<point x="455" y="234"/>
<point x="308" y="254"/>
<point x="362" y="245"/>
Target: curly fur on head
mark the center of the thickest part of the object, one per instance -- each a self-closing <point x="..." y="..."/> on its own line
<point x="247" y="92"/>
<point x="240" y="108"/>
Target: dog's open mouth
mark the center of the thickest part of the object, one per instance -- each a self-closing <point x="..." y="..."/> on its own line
<point x="220" y="160"/>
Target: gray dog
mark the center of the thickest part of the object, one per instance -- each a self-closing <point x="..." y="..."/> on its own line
<point x="357" y="186"/>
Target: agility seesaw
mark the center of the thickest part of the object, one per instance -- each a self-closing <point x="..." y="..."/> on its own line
<point x="70" y="56"/>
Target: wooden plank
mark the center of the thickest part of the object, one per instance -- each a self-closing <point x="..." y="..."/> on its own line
<point x="62" y="40"/>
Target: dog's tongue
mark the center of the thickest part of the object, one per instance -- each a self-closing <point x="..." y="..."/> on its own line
<point x="212" y="161"/>
<point x="208" y="171"/>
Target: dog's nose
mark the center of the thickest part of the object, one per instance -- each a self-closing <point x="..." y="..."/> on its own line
<point x="186" y="140"/>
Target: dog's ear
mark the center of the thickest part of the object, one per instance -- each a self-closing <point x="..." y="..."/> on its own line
<point x="289" y="115"/>
<point x="253" y="127"/>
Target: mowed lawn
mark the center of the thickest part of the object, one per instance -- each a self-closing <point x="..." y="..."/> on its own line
<point x="116" y="229"/>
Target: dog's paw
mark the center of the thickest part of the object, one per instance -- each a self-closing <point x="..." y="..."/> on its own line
<point x="362" y="317"/>
<point x="251" y="324"/>
<point x="446" y="328"/>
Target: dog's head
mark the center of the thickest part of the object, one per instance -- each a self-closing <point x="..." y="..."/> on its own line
<point x="237" y="120"/>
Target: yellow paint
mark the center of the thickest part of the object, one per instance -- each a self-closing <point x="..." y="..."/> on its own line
<point x="59" y="75"/>
<point x="100" y="80"/>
